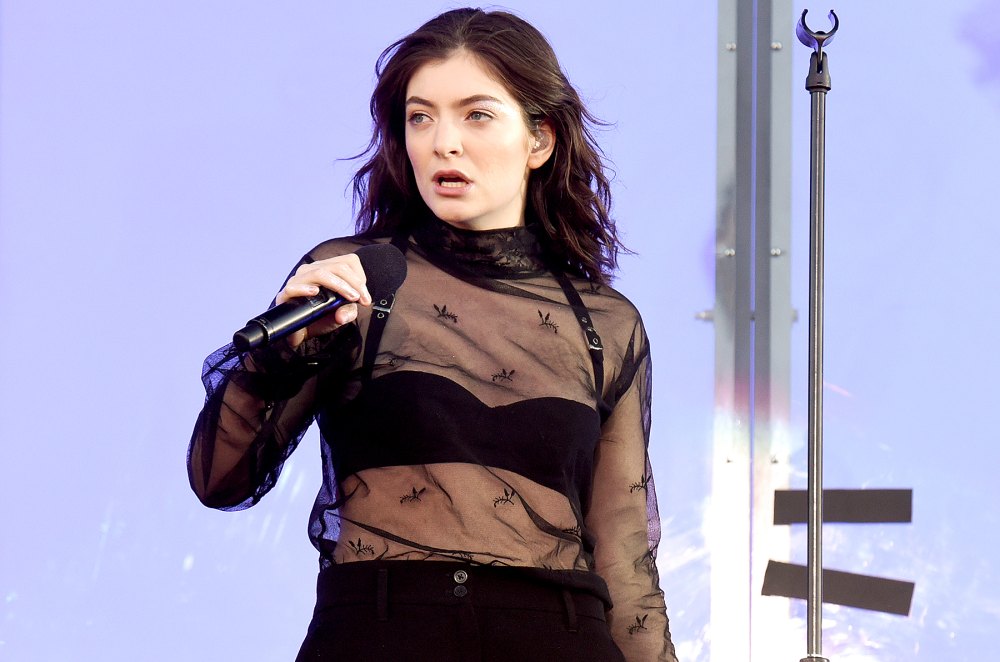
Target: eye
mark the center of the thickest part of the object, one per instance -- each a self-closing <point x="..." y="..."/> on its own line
<point x="479" y="116"/>
<point x="418" y="118"/>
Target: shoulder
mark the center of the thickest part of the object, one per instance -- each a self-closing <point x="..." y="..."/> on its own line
<point x="607" y="302"/>
<point x="616" y="318"/>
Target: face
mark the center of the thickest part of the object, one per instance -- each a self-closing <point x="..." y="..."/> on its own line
<point x="469" y="146"/>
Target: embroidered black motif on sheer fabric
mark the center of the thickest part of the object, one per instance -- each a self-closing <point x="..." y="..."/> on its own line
<point x="547" y="322"/>
<point x="638" y="625"/>
<point x="640" y="484"/>
<point x="503" y="375"/>
<point x="413" y="495"/>
<point x="444" y="313"/>
<point x="507" y="497"/>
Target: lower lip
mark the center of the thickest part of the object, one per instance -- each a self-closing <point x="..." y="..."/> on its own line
<point x="451" y="191"/>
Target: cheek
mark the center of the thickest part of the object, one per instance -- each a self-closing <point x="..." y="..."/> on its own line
<point x="512" y="162"/>
<point x="414" y="151"/>
<point x="410" y="153"/>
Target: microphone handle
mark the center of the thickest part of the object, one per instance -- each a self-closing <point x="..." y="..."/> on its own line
<point x="285" y="318"/>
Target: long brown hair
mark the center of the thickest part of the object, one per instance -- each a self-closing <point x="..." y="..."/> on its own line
<point x="569" y="196"/>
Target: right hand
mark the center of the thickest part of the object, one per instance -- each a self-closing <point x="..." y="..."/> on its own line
<point x="342" y="275"/>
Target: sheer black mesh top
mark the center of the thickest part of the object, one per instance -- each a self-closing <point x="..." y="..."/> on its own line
<point x="498" y="415"/>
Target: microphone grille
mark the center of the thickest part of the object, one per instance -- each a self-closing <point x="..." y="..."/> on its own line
<point x="385" y="268"/>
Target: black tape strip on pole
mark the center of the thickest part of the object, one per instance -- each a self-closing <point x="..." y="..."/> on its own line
<point x="847" y="506"/>
<point x="890" y="596"/>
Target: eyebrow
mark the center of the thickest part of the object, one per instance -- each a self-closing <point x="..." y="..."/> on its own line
<point x="467" y="101"/>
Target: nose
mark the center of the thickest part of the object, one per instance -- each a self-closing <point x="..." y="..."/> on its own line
<point x="447" y="140"/>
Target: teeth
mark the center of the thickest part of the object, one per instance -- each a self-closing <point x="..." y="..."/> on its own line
<point x="451" y="184"/>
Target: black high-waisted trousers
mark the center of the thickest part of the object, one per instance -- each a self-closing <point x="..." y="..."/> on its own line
<point x="440" y="611"/>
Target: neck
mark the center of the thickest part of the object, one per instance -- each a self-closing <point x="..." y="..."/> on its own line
<point x="496" y="252"/>
<point x="479" y="225"/>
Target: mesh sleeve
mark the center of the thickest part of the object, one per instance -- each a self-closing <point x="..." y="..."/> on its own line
<point x="258" y="406"/>
<point x="623" y="516"/>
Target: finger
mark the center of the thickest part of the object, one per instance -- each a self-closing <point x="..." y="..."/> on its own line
<point x="360" y="278"/>
<point x="343" y="282"/>
<point x="347" y="267"/>
<point x="296" y="338"/>
<point x="346" y="314"/>
<point x="293" y="290"/>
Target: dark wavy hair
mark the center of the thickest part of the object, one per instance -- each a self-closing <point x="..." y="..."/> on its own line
<point x="569" y="195"/>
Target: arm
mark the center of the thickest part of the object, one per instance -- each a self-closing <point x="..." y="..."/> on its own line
<point x="258" y="404"/>
<point x="257" y="408"/>
<point x="623" y="515"/>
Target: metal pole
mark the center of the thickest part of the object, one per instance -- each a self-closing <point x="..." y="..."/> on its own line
<point x="818" y="84"/>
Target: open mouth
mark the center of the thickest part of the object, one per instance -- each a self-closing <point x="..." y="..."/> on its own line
<point x="451" y="180"/>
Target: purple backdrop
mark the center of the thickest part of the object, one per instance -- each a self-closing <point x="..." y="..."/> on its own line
<point x="150" y="152"/>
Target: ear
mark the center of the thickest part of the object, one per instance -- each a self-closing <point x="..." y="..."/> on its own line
<point x="543" y="143"/>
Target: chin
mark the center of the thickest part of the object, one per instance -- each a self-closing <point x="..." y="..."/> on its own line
<point x="459" y="222"/>
<point x="452" y="216"/>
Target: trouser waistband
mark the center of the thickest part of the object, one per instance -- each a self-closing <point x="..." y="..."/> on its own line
<point x="381" y="583"/>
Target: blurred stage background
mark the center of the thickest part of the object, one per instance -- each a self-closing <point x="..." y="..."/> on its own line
<point x="163" y="164"/>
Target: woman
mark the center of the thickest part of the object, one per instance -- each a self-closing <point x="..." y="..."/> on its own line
<point x="487" y="492"/>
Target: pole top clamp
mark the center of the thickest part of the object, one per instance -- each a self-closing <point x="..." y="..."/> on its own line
<point x="812" y="39"/>
<point x="818" y="79"/>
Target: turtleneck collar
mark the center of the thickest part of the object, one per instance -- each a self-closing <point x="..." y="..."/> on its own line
<point x="501" y="253"/>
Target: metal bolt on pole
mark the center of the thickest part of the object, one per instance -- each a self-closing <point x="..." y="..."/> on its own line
<point x="818" y="84"/>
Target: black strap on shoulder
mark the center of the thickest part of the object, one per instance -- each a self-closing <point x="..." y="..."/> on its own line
<point x="380" y="316"/>
<point x="594" y="344"/>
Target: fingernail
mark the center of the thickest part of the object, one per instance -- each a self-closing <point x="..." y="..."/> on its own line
<point x="368" y="295"/>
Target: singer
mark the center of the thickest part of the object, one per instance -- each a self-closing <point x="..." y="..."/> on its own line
<point x="487" y="493"/>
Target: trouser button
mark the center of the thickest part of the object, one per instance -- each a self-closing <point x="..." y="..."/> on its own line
<point x="461" y="591"/>
<point x="460" y="576"/>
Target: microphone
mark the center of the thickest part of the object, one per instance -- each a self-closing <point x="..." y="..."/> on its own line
<point x="385" y="268"/>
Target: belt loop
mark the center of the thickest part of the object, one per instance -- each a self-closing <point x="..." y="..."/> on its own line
<point x="382" y="596"/>
<point x="570" y="605"/>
